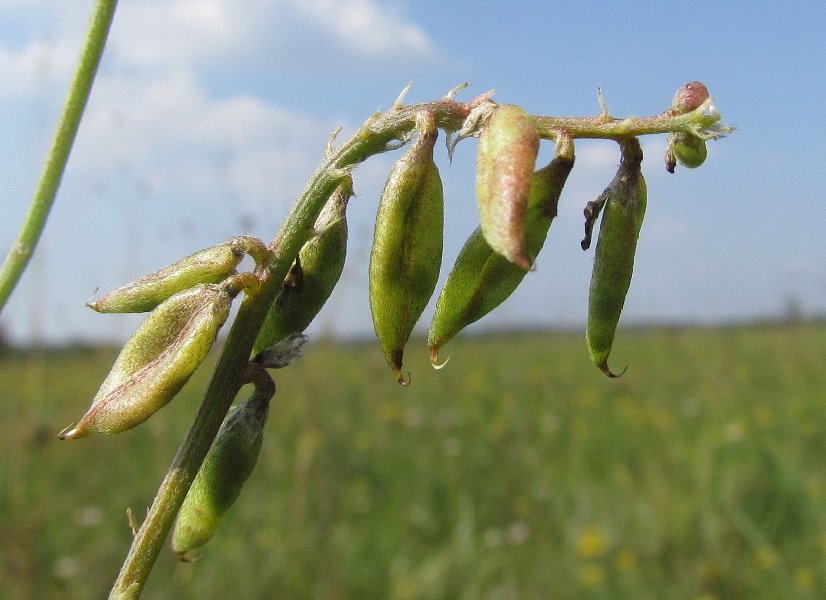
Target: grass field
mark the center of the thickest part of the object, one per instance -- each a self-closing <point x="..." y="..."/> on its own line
<point x="517" y="472"/>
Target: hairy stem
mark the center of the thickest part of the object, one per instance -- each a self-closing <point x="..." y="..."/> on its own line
<point x="380" y="133"/>
<point x="21" y="251"/>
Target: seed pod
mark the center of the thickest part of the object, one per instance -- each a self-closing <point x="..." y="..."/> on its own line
<point x="157" y="360"/>
<point x="689" y="150"/>
<point x="407" y="245"/>
<point x="482" y="279"/>
<point x="314" y="275"/>
<point x="211" y="265"/>
<point x="505" y="161"/>
<point x="225" y="469"/>
<point x="624" y="208"/>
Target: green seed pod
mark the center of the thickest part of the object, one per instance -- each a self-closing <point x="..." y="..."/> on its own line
<point x="689" y="150"/>
<point x="157" y="360"/>
<point x="227" y="465"/>
<point x="407" y="245"/>
<point x="482" y="279"/>
<point x="505" y="160"/>
<point x="313" y="276"/>
<point x="211" y="265"/>
<point x="624" y="208"/>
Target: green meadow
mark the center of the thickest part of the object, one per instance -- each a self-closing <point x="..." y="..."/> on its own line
<point x="516" y="472"/>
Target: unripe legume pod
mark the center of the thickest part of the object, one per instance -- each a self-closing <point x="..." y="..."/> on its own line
<point x="622" y="216"/>
<point x="314" y="275"/>
<point x="210" y="265"/>
<point x="227" y="466"/>
<point x="505" y="160"/>
<point x="407" y="245"/>
<point x="481" y="279"/>
<point x="157" y="360"/>
<point x="689" y="150"/>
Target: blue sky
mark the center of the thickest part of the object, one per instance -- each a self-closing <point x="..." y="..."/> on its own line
<point x="209" y="115"/>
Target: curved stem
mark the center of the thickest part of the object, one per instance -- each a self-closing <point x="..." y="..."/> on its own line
<point x="21" y="251"/>
<point x="380" y="133"/>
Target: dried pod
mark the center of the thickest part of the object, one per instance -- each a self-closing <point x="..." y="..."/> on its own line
<point x="482" y="279"/>
<point x="505" y="160"/>
<point x="622" y="216"/>
<point x="407" y="245"/>
<point x="313" y="276"/>
<point x="227" y="466"/>
<point x="211" y="265"/>
<point x="283" y="353"/>
<point x="157" y="360"/>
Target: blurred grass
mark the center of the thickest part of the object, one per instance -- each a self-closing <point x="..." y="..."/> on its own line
<point x="517" y="472"/>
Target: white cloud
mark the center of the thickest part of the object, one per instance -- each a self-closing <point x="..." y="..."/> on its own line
<point x="366" y="26"/>
<point x="157" y="33"/>
<point x="162" y="33"/>
<point x="33" y="68"/>
<point x="190" y="144"/>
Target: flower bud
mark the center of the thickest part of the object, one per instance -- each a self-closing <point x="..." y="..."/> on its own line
<point x="506" y="156"/>
<point x="211" y="265"/>
<point x="407" y="245"/>
<point x="689" y="97"/>
<point x="227" y="466"/>
<point x="482" y="279"/>
<point x="314" y="275"/>
<point x="157" y="360"/>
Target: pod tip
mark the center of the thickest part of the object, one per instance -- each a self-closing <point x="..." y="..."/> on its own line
<point x="607" y="370"/>
<point x="521" y="260"/>
<point x="73" y="432"/>
<point x="434" y="359"/>
<point x="94" y="304"/>
<point x="182" y="556"/>
<point x="400" y="378"/>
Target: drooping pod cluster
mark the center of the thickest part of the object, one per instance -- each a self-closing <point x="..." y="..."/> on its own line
<point x="481" y="278"/>
<point x="623" y="206"/>
<point x="314" y="274"/>
<point x="407" y="244"/>
<point x="516" y="203"/>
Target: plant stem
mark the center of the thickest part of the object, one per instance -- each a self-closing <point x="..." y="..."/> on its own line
<point x="21" y="251"/>
<point x="377" y="135"/>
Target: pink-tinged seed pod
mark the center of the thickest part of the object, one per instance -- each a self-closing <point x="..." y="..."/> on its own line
<point x="482" y="279"/>
<point x="505" y="160"/>
<point x="157" y="360"/>
<point x="210" y="265"/>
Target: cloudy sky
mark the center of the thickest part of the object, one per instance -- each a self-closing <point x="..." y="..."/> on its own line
<point x="208" y="116"/>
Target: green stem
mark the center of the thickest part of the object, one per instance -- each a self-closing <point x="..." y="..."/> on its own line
<point x="21" y="251"/>
<point x="377" y="135"/>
